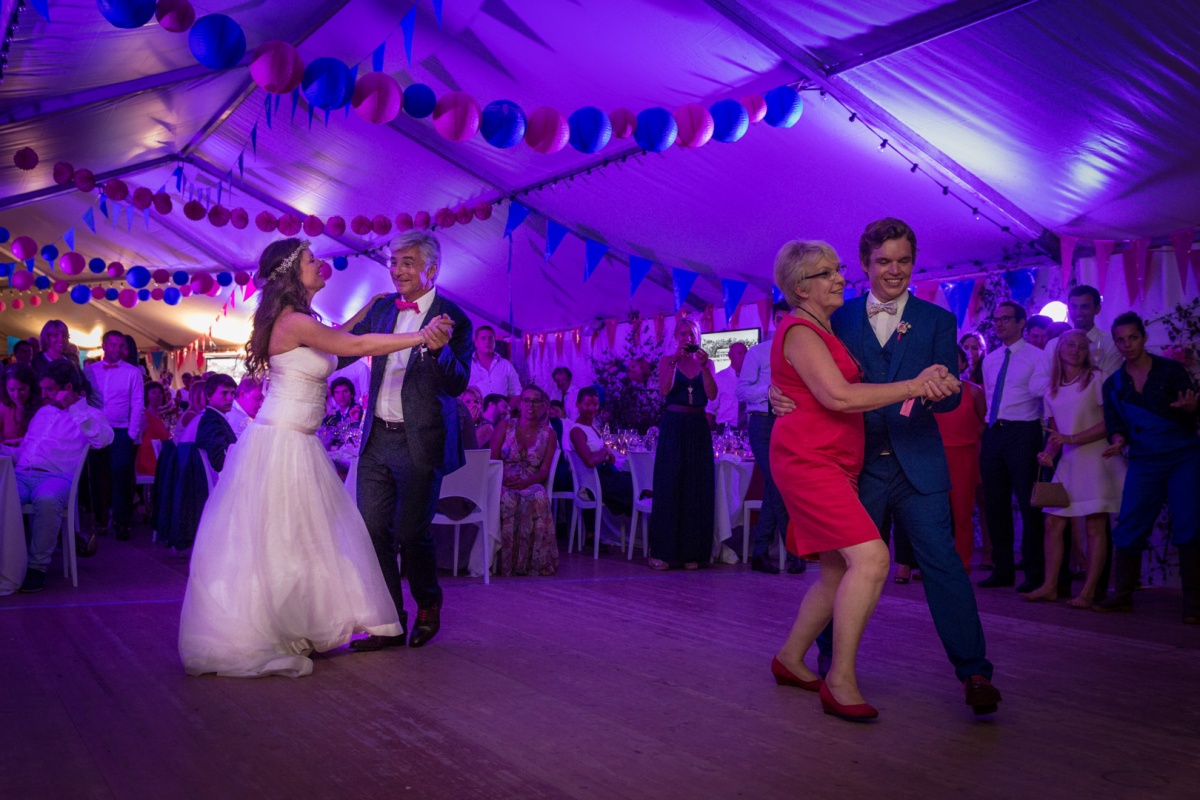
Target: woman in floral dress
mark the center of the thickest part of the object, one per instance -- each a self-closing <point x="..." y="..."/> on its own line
<point x="527" y="446"/>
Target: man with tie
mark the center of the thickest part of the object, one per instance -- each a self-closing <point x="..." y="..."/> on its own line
<point x="118" y="387"/>
<point x="410" y="434"/>
<point x="564" y="393"/>
<point x="1008" y="451"/>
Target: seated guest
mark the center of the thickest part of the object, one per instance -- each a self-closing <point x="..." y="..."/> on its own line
<point x="473" y="401"/>
<point x="466" y="428"/>
<point x="495" y="411"/>
<point x="22" y="352"/>
<point x="562" y="394"/>
<point x="1037" y="330"/>
<point x="214" y="434"/>
<point x="59" y="434"/>
<point x="247" y="400"/>
<point x="344" y="407"/>
<point x="640" y="371"/>
<point x="185" y="429"/>
<point x="526" y="445"/>
<point x="557" y="411"/>
<point x="585" y="440"/>
<point x="53" y="341"/>
<point x="20" y="398"/>
<point x="154" y="428"/>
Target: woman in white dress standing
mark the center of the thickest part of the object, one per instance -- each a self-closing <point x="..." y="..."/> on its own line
<point x="1075" y="408"/>
<point x="282" y="564"/>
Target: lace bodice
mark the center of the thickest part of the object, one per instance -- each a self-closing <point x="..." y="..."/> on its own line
<point x="296" y="389"/>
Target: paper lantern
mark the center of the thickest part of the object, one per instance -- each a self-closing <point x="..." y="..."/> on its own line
<point x="18" y="304"/>
<point x="99" y="293"/>
<point x="656" y="130"/>
<point x="52" y="297"/>
<point x="24" y="248"/>
<point x="695" y="125"/>
<point x="171" y="296"/>
<point x="97" y="265"/>
<point x="49" y="252"/>
<point x="202" y="283"/>
<point x="162" y="203"/>
<point x="218" y="216"/>
<point x="214" y="290"/>
<point x="381" y="225"/>
<point x="185" y="290"/>
<point x="26" y="158"/>
<point x="113" y="294"/>
<point x="61" y="286"/>
<point x="6" y="270"/>
<point x="547" y="131"/>
<point x="34" y="301"/>
<point x="142" y="198"/>
<point x="277" y="67"/>
<point x="327" y="84"/>
<point x="143" y="295"/>
<point x="85" y="181"/>
<point x="503" y="124"/>
<point x="180" y="277"/>
<point x="21" y="280"/>
<point x="116" y="189"/>
<point x="361" y="225"/>
<point x="335" y="226"/>
<point x="419" y="101"/>
<point x="421" y="220"/>
<point x="483" y="210"/>
<point x="4" y="234"/>
<point x="444" y="218"/>
<point x="624" y="123"/>
<point x="463" y="215"/>
<point x="137" y="277"/>
<point x="42" y="282"/>
<point x="126" y="13"/>
<point x="241" y="277"/>
<point x="326" y="271"/>
<point x="266" y="221"/>
<point x="404" y="222"/>
<point x="3" y="305"/>
<point x="591" y="129"/>
<point x="313" y="226"/>
<point x="194" y="210"/>
<point x="457" y="116"/>
<point x="175" y="16"/>
<point x="160" y="275"/>
<point x="377" y="97"/>
<point x="340" y="263"/>
<point x="116" y="270"/>
<point x="289" y="224"/>
<point x="72" y="263"/>
<point x="731" y="120"/>
<point x="239" y="218"/>
<point x="217" y="41"/>
<point x="225" y="278"/>
<point x="756" y="107"/>
<point x="81" y="294"/>
<point x="157" y="293"/>
<point x="784" y="107"/>
<point x="127" y="298"/>
<point x="64" y="173"/>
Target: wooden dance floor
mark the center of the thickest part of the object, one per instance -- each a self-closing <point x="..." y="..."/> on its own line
<point x="606" y="681"/>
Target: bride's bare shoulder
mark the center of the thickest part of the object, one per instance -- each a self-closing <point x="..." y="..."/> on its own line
<point x="286" y="331"/>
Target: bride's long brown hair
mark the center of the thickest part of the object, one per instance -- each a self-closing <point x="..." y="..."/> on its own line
<point x="282" y="291"/>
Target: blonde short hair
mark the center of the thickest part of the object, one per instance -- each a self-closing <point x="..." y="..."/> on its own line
<point x="688" y="322"/>
<point x="795" y="263"/>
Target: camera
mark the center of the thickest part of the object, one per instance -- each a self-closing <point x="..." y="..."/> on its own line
<point x="691" y="348"/>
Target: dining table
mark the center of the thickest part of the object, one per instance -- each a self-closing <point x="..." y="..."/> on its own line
<point x="13" y="551"/>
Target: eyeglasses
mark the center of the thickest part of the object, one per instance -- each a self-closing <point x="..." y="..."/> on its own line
<point x="1004" y="318"/>
<point x="532" y="401"/>
<point x="827" y="273"/>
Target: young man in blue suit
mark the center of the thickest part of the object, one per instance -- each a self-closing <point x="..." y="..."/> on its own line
<point x="905" y="478"/>
<point x="410" y="431"/>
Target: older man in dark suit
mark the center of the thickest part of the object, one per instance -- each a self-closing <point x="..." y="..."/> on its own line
<point x="410" y="431"/>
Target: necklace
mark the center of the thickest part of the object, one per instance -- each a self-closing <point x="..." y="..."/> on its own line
<point x="857" y="365"/>
<point x="814" y="318"/>
<point x="1073" y="380"/>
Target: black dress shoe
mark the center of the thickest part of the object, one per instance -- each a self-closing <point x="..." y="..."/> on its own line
<point x="997" y="579"/>
<point x="373" y="643"/>
<point x="982" y="697"/>
<point x="797" y="566"/>
<point x="85" y="546"/>
<point x="35" y="581"/>
<point x="764" y="564"/>
<point x="429" y="622"/>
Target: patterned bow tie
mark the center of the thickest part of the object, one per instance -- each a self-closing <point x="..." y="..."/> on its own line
<point x="404" y="305"/>
<point x="878" y="308"/>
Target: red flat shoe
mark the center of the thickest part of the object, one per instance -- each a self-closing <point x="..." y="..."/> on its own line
<point x="860" y="712"/>
<point x="785" y="677"/>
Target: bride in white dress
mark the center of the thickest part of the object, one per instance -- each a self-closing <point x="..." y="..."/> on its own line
<point x="283" y="564"/>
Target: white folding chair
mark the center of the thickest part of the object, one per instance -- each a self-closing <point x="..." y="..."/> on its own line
<point x="70" y="525"/>
<point x="210" y="474"/>
<point x="585" y="479"/>
<point x="747" y="507"/>
<point x="567" y="494"/>
<point x="641" y="467"/>
<point x="470" y="483"/>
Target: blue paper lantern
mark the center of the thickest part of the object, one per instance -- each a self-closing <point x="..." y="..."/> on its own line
<point x="81" y="294"/>
<point x="143" y="295"/>
<point x="224" y="278"/>
<point x="217" y="41"/>
<point x="730" y="120"/>
<point x="656" y="130"/>
<point x="171" y="296"/>
<point x="111" y="294"/>
<point x="97" y="265"/>
<point x="327" y="83"/>
<point x="419" y="101"/>
<point x="42" y="282"/>
<point x="179" y="278"/>
<point x="4" y="234"/>
<point x="137" y="277"/>
<point x="127" y="13"/>
<point x="50" y="252"/>
<point x="590" y="129"/>
<point x="340" y="263"/>
<point x="503" y="124"/>
<point x="6" y="270"/>
<point x="783" y="107"/>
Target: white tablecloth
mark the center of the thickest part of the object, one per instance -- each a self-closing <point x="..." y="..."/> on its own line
<point x="491" y="531"/>
<point x="733" y="481"/>
<point x="13" y="553"/>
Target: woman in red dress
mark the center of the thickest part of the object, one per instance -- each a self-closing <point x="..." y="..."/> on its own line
<point x="816" y="456"/>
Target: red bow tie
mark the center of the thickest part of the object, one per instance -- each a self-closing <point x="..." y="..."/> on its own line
<point x="404" y="305"/>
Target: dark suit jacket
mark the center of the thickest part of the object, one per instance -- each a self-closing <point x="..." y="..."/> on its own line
<point x="432" y="382"/>
<point x="213" y="436"/>
<point x="931" y="339"/>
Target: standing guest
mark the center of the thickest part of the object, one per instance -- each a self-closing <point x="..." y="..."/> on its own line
<point x="976" y="349"/>
<point x="19" y="401"/>
<point x="492" y="372"/>
<point x="1057" y="329"/>
<point x="1075" y="408"/>
<point x="118" y="389"/>
<point x="22" y="352"/>
<point x="1083" y="304"/>
<point x="59" y="434"/>
<point x="344" y="407"/>
<point x="1009" y="449"/>
<point x="684" y="478"/>
<point x="726" y="408"/>
<point x="186" y="379"/>
<point x="1150" y="406"/>
<point x="185" y="429"/>
<point x="960" y="429"/>
<point x="54" y="340"/>
<point x="754" y="381"/>
<point x="587" y="442"/>
<point x="563" y="392"/>
<point x="247" y="400"/>
<point x="154" y="428"/>
<point x="1037" y="330"/>
<point x="526" y="446"/>
<point x="410" y="435"/>
<point x="495" y="411"/>
<point x="214" y="433"/>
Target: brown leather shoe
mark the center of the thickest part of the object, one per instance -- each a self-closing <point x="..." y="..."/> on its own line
<point x="429" y="622"/>
<point x="982" y="697"/>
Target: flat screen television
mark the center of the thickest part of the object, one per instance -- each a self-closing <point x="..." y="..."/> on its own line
<point x="717" y="344"/>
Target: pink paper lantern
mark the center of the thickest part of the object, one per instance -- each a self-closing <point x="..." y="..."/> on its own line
<point x="24" y="248"/>
<point x="162" y="203"/>
<point x="116" y="189"/>
<point x="277" y="67"/>
<point x="35" y="301"/>
<point x="624" y="123"/>
<point x="3" y="305"/>
<point x="377" y="98"/>
<point x="218" y="216"/>
<point x="483" y="210"/>
<point x="547" y="131"/>
<point x="335" y="226"/>
<point x="214" y="290"/>
<point x="404" y="222"/>
<point x="463" y="215"/>
<point x="756" y="106"/>
<point x="444" y="218"/>
<point x="381" y="225"/>
<point x="72" y="263"/>
<point x="116" y="269"/>
<point x="52" y="296"/>
<point x="326" y="271"/>
<point x="21" y="280"/>
<point x="202" y="283"/>
<point x="361" y="225"/>
<point x="194" y="210"/>
<point x="64" y="173"/>
<point x="161" y="275"/>
<point x="61" y="286"/>
<point x="184" y="291"/>
<point x="266" y="221"/>
<point x="26" y="158"/>
<point x="239" y="218"/>
<point x="157" y="293"/>
<point x="97" y="292"/>
<point x="85" y="181"/>
<point x="18" y="304"/>
<point x="127" y="298"/>
<point x="313" y="226"/>
<point x="695" y="125"/>
<point x="457" y="116"/>
<point x="421" y="220"/>
<point x="289" y="224"/>
<point x="175" y="16"/>
<point x="241" y="278"/>
<point x="142" y="198"/>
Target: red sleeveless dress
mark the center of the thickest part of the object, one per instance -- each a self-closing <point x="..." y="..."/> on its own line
<point x="817" y="454"/>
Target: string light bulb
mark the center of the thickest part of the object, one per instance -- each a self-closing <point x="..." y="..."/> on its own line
<point x="853" y="116"/>
<point x="883" y="144"/>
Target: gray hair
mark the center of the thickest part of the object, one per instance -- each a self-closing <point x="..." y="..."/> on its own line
<point x="426" y="242"/>
<point x="795" y="263"/>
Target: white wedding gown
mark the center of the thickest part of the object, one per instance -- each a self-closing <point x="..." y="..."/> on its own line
<point x="282" y="564"/>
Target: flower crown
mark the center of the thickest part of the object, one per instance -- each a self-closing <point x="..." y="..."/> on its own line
<point x="288" y="262"/>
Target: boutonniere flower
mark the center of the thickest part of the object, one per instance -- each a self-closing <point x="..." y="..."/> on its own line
<point x="902" y="329"/>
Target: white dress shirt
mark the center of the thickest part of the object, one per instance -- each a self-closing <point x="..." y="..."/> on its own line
<point x="1102" y="350"/>
<point x="237" y="418"/>
<point x="120" y="389"/>
<point x="501" y="378"/>
<point x="567" y="399"/>
<point x="387" y="405"/>
<point x="755" y="380"/>
<point x="883" y="323"/>
<point x="724" y="407"/>
<point x="1018" y="402"/>
<point x="57" y="439"/>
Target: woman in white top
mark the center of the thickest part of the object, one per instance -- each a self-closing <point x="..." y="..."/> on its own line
<point x="588" y="444"/>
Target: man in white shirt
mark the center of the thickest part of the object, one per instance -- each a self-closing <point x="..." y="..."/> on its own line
<point x="493" y="373"/>
<point x="247" y="400"/>
<point x="724" y="408"/>
<point x="1008" y="454"/>
<point x="118" y="386"/>
<point x="564" y="393"/>
<point x="59" y="434"/>
<point x="1083" y="304"/>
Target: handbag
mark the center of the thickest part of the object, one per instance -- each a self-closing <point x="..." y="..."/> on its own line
<point x="1047" y="493"/>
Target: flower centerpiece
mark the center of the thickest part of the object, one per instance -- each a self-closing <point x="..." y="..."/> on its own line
<point x="628" y="380"/>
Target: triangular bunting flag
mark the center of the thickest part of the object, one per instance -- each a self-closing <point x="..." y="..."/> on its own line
<point x="104" y="206"/>
<point x="89" y="218"/>
<point x="353" y="78"/>
<point x="311" y="110"/>
<point x="731" y="294"/>
<point x="42" y="7"/>
<point x="595" y="252"/>
<point x="327" y="118"/>
<point x="1104" y="249"/>
<point x="1067" y="244"/>
<point x="1181" y="243"/>
<point x="1020" y="284"/>
<point x="129" y="224"/>
<point x="29" y="264"/>
<point x="295" y="102"/>
<point x="220" y="191"/>
<point x="146" y="217"/>
<point x="958" y="295"/>
<point x="278" y="98"/>
<point x="242" y="164"/>
<point x="554" y="236"/>
<point x="683" y="281"/>
<point x="517" y="214"/>
<point x="639" y="268"/>
<point x="178" y="173"/>
<point x="409" y="25"/>
<point x="377" y="57"/>
<point x="776" y="295"/>
<point x="268" y="106"/>
<point x="254" y="139"/>
<point x="437" y="9"/>
<point x="69" y="238"/>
